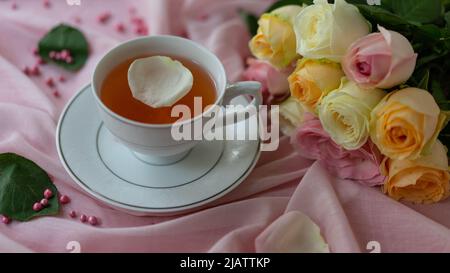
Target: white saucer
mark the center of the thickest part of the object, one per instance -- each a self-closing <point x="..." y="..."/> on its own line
<point x="113" y="174"/>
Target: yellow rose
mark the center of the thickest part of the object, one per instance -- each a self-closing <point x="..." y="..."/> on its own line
<point x="425" y="180"/>
<point x="312" y="80"/>
<point x="326" y="30"/>
<point x="406" y="123"/>
<point x="275" y="39"/>
<point x="291" y="115"/>
<point x="345" y="113"/>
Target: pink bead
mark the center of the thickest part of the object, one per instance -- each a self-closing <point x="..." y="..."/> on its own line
<point x="64" y="54"/>
<point x="56" y="94"/>
<point x="58" y="56"/>
<point x="104" y="17"/>
<point x="137" y="21"/>
<point x="47" y="3"/>
<point x="26" y="71"/>
<point x="14" y="6"/>
<point x="48" y="194"/>
<point x="64" y="199"/>
<point x="37" y="206"/>
<point x="62" y="78"/>
<point x="77" y="20"/>
<point x="69" y="60"/>
<point x="72" y="214"/>
<point x="44" y="202"/>
<point x="120" y="28"/>
<point x="83" y="218"/>
<point x="35" y="71"/>
<point x="93" y="220"/>
<point x="141" y="30"/>
<point x="41" y="61"/>
<point x="52" y="54"/>
<point x="35" y="51"/>
<point x="132" y="10"/>
<point x="6" y="220"/>
<point x="50" y="82"/>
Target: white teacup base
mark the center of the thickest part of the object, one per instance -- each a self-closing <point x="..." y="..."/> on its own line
<point x="111" y="173"/>
<point x="161" y="160"/>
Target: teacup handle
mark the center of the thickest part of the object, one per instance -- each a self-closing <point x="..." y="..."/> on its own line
<point x="251" y="88"/>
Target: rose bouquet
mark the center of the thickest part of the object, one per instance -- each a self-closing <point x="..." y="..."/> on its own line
<point x="361" y="88"/>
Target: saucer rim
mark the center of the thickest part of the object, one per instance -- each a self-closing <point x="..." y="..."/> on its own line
<point x="139" y="209"/>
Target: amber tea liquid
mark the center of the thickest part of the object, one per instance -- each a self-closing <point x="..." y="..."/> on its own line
<point x="117" y="96"/>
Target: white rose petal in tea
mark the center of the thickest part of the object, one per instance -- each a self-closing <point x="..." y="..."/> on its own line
<point x="159" y="81"/>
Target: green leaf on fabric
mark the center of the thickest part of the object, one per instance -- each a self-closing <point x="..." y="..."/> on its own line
<point x="65" y="37"/>
<point x="22" y="183"/>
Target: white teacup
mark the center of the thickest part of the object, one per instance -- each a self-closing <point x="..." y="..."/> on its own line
<point x="154" y="142"/>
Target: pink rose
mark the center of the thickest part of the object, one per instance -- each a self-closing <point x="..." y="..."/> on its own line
<point x="275" y="86"/>
<point x="382" y="60"/>
<point x="362" y="165"/>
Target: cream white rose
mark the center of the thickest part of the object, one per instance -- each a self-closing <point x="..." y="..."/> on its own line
<point x="327" y="30"/>
<point x="275" y="39"/>
<point x="291" y="115"/>
<point x="345" y="114"/>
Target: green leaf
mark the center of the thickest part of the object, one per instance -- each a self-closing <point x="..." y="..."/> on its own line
<point x="251" y="21"/>
<point x="383" y="17"/>
<point x="423" y="84"/>
<point x="447" y="19"/>
<point x="22" y="183"/>
<point x="419" y="11"/>
<point x="65" y="37"/>
<point x="283" y="3"/>
<point x="428" y="33"/>
<point x="439" y="95"/>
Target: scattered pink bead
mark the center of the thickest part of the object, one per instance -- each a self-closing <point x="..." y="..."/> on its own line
<point x="58" y="56"/>
<point x="35" y="51"/>
<point x="120" y="28"/>
<point x="143" y="30"/>
<point x="26" y="71"/>
<point x="69" y="60"/>
<point x="35" y="71"/>
<point x="37" y="206"/>
<point x="44" y="202"/>
<point x="132" y="10"/>
<point x="41" y="61"/>
<point x="48" y="194"/>
<point x="52" y="54"/>
<point x="137" y="21"/>
<point x="83" y="218"/>
<point x="77" y="20"/>
<point x="104" y="17"/>
<point x="6" y="220"/>
<point x="50" y="82"/>
<point x="72" y="214"/>
<point x="56" y="94"/>
<point x="47" y="4"/>
<point x="64" y="53"/>
<point x="64" y="199"/>
<point x="93" y="220"/>
<point x="14" y="6"/>
<point x="62" y="79"/>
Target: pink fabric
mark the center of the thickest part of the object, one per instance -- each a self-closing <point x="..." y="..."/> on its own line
<point x="349" y="214"/>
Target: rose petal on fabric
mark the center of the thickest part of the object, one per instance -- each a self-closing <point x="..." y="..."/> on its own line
<point x="293" y="232"/>
<point x="159" y="81"/>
